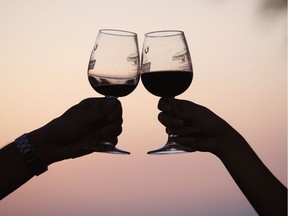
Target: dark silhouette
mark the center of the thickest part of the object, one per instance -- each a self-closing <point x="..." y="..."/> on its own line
<point x="69" y="136"/>
<point x="84" y="125"/>
<point x="202" y="130"/>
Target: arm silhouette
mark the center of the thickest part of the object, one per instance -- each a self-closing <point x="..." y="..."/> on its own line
<point x="202" y="130"/>
<point x="68" y="136"/>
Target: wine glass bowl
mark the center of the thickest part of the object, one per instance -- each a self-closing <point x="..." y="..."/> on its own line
<point x="114" y="70"/>
<point x="166" y="71"/>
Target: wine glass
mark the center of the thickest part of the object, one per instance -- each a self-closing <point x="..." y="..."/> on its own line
<point x="166" y="71"/>
<point x="114" y="70"/>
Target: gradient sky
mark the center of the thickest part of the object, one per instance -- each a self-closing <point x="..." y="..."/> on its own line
<point x="239" y="57"/>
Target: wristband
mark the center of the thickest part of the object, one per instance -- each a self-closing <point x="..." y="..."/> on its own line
<point x="29" y="155"/>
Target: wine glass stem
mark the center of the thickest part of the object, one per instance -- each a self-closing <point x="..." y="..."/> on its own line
<point x="171" y="136"/>
<point x="109" y="97"/>
<point x="170" y="139"/>
<point x="107" y="140"/>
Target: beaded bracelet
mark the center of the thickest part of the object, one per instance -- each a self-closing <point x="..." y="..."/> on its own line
<point x="29" y="155"/>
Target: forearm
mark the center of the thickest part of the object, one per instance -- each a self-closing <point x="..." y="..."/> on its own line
<point x="13" y="170"/>
<point x="264" y="191"/>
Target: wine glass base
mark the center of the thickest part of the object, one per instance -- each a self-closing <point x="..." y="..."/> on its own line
<point x="170" y="148"/>
<point x="104" y="148"/>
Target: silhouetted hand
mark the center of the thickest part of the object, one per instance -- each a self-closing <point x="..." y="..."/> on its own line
<point x="69" y="136"/>
<point x="79" y="128"/>
<point x="196" y="126"/>
<point x="202" y="130"/>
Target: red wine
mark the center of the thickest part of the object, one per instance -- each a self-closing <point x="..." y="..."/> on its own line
<point x="167" y="83"/>
<point x="116" y="90"/>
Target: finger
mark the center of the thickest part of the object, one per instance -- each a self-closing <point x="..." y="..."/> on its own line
<point x="185" y="109"/>
<point x="111" y="130"/>
<point x="88" y="102"/>
<point x="164" y="105"/>
<point x="113" y="140"/>
<point x="104" y="129"/>
<point x="97" y="137"/>
<point x="93" y="109"/>
<point x="106" y="107"/>
<point x="170" y="121"/>
<point x="115" y="115"/>
<point x="185" y="131"/>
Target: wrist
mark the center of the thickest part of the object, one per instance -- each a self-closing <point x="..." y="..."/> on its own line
<point x="41" y="146"/>
<point x="231" y="148"/>
<point x="30" y="155"/>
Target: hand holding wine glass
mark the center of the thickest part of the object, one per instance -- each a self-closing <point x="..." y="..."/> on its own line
<point x="166" y="72"/>
<point x="113" y="70"/>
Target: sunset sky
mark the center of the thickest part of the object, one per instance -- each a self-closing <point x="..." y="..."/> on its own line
<point x="239" y="56"/>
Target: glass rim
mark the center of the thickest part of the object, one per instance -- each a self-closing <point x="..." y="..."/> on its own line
<point x="118" y="32"/>
<point x="164" y="33"/>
